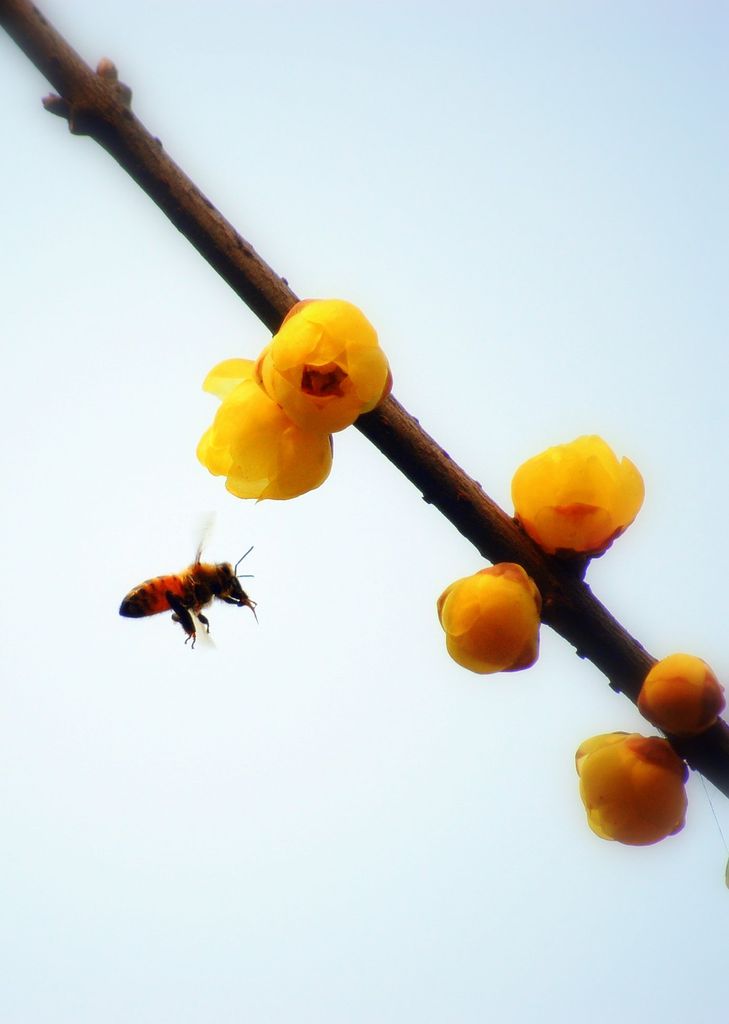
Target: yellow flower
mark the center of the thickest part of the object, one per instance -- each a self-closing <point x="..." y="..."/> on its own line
<point x="577" y="497"/>
<point x="254" y="444"/>
<point x="491" y="619"/>
<point x="681" y="695"/>
<point x="325" y="366"/>
<point x="632" y="787"/>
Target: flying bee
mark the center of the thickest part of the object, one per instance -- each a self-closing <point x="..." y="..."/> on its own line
<point x="187" y="592"/>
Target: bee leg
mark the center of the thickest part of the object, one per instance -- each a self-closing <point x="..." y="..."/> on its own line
<point x="181" y="615"/>
<point x="244" y="602"/>
<point x="204" y="621"/>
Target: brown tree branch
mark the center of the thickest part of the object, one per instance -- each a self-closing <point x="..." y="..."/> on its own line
<point x="96" y="104"/>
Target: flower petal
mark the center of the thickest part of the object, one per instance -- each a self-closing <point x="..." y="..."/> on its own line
<point x="227" y="375"/>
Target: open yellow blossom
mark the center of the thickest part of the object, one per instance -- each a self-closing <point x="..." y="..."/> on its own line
<point x="324" y="366"/>
<point x="254" y="444"/>
<point x="681" y="695"/>
<point x="577" y="497"/>
<point x="491" y="619"/>
<point x="632" y="787"/>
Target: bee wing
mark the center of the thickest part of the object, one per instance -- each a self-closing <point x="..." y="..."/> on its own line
<point x="202" y="637"/>
<point x="205" y="525"/>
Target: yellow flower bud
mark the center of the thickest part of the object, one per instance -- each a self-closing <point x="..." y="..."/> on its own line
<point x="255" y="445"/>
<point x="324" y="366"/>
<point x="632" y="787"/>
<point x="681" y="695"/>
<point x="577" y="497"/>
<point x="491" y="619"/>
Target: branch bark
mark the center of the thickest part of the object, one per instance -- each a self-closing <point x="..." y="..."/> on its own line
<point x="96" y="104"/>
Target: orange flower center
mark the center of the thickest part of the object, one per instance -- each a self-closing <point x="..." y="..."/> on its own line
<point x="575" y="510"/>
<point x="323" y="381"/>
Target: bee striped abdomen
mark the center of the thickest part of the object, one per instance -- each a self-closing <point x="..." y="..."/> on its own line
<point x="150" y="597"/>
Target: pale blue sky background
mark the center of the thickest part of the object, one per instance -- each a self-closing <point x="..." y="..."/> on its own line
<point x="324" y="819"/>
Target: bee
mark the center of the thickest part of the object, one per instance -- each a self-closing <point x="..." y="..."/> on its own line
<point x="187" y="592"/>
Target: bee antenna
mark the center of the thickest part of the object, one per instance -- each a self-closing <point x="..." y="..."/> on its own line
<point x="235" y="568"/>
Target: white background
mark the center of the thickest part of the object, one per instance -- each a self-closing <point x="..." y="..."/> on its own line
<point x="323" y="818"/>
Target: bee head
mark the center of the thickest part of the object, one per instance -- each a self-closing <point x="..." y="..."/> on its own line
<point x="234" y="591"/>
